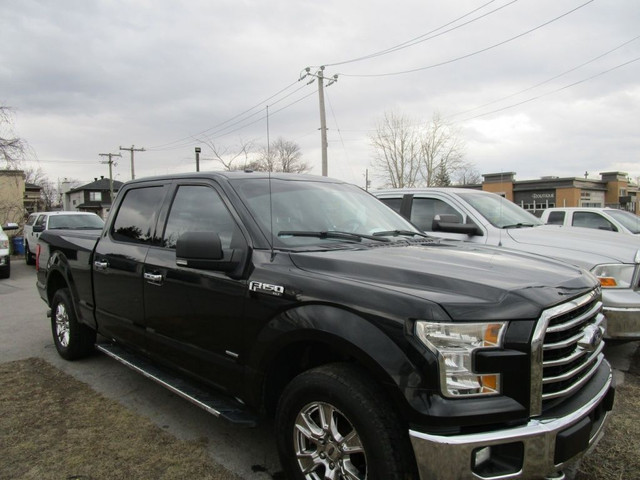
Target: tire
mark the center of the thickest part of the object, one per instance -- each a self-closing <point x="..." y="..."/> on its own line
<point x="333" y="422"/>
<point x="5" y="272"/>
<point x="28" y="256"/>
<point x="72" y="339"/>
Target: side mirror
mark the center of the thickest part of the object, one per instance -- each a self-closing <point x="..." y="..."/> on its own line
<point x="451" y="224"/>
<point x="203" y="250"/>
<point x="38" y="228"/>
<point x="10" y="226"/>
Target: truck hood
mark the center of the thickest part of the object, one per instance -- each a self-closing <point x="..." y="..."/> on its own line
<point x="580" y="246"/>
<point x="467" y="280"/>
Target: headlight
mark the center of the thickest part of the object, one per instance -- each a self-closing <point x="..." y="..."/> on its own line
<point x="615" y="275"/>
<point x="454" y="344"/>
<point x="4" y="243"/>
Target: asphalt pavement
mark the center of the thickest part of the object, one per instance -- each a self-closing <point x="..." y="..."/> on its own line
<point x="25" y="332"/>
<point x="250" y="453"/>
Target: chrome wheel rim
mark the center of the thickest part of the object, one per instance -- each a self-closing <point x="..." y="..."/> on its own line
<point x="327" y="447"/>
<point x="62" y="325"/>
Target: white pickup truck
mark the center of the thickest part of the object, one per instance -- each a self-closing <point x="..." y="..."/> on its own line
<point x="5" y="258"/>
<point x="38" y="222"/>
<point x="483" y="217"/>
<point x="610" y="219"/>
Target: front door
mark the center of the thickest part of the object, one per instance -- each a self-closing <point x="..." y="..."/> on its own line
<point x="194" y="316"/>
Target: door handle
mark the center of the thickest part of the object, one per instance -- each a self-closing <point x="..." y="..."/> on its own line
<point x="100" y="265"/>
<point x="153" y="278"/>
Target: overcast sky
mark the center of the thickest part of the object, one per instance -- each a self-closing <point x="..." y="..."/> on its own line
<point x="537" y="87"/>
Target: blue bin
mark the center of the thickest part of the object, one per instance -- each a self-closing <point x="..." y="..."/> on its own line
<point x="18" y="245"/>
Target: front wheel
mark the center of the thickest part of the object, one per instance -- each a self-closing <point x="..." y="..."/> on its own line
<point x="72" y="339"/>
<point x="333" y="422"/>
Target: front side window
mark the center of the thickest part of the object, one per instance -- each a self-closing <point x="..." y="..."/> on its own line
<point x="592" y="220"/>
<point x="198" y="208"/>
<point x="135" y="221"/>
<point x="424" y="210"/>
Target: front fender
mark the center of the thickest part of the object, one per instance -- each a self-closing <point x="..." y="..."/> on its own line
<point x="378" y="345"/>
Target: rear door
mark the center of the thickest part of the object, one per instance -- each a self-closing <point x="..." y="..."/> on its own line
<point x="118" y="264"/>
<point x="194" y="316"/>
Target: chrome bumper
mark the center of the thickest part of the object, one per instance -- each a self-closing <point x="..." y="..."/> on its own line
<point x="622" y="323"/>
<point x="621" y="307"/>
<point x="447" y="457"/>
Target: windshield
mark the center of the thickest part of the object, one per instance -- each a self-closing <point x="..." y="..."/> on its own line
<point x="501" y="212"/>
<point x="75" y="222"/>
<point x="308" y="213"/>
<point x="628" y="219"/>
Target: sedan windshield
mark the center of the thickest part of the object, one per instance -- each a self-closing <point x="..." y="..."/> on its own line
<point x="297" y="213"/>
<point x="628" y="219"/>
<point x="501" y="212"/>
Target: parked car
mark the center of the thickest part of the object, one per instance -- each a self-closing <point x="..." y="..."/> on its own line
<point x="38" y="222"/>
<point x="611" y="219"/>
<point x="381" y="352"/>
<point x="483" y="217"/>
<point x="5" y="258"/>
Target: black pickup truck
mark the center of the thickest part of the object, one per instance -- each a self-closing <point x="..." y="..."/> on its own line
<point x="382" y="353"/>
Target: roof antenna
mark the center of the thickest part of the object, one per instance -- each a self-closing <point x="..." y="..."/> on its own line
<point x="273" y="253"/>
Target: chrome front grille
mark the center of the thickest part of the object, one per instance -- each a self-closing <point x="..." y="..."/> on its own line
<point x="567" y="349"/>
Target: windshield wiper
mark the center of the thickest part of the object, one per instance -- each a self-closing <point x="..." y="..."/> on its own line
<point x="396" y="233"/>
<point x="355" y="237"/>
<point x="519" y="225"/>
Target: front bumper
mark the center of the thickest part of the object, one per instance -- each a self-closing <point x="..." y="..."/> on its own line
<point x="4" y="260"/>
<point x="622" y="310"/>
<point x="538" y="449"/>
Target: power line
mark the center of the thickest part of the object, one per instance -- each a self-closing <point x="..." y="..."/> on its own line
<point x="545" y="81"/>
<point x="190" y="137"/>
<point x="421" y="38"/>
<point x="477" y="52"/>
<point x="552" y="92"/>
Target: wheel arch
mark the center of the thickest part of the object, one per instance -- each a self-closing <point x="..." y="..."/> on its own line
<point x="310" y="336"/>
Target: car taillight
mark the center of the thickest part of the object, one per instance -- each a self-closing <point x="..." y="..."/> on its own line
<point x="37" y="257"/>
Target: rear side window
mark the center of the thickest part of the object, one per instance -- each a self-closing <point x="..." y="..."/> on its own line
<point x="135" y="221"/>
<point x="556" y="218"/>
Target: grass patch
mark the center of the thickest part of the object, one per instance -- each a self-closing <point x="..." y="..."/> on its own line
<point x="53" y="426"/>
<point x="617" y="456"/>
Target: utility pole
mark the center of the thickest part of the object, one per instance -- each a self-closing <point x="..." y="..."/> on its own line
<point x="132" y="149"/>
<point x="323" y="117"/>
<point x="110" y="162"/>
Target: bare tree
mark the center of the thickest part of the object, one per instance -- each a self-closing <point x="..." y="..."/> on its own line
<point x="12" y="148"/>
<point x="406" y="155"/>
<point x="467" y="175"/>
<point x="235" y="157"/>
<point x="50" y="193"/>
<point x="281" y="156"/>
<point x="396" y="145"/>
<point x="442" y="152"/>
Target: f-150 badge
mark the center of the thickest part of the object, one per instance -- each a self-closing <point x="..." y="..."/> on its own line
<point x="267" y="288"/>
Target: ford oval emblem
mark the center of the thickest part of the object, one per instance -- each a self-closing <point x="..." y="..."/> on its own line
<point x="591" y="338"/>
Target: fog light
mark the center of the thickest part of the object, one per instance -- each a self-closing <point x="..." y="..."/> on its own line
<point x="481" y="456"/>
<point x="497" y="460"/>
